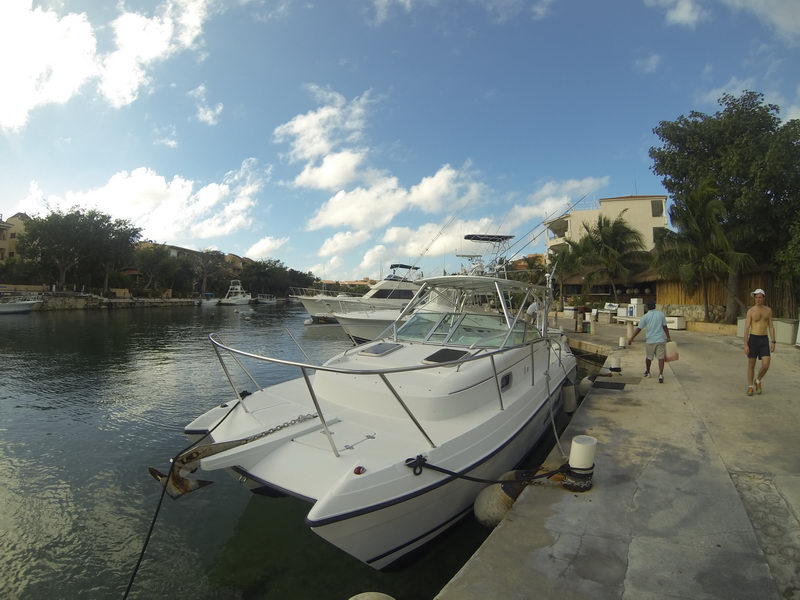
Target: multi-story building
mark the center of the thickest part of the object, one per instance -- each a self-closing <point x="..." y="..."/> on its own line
<point x="10" y="231"/>
<point x="646" y="214"/>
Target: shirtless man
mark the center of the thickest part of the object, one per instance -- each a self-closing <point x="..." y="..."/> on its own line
<point x="756" y="341"/>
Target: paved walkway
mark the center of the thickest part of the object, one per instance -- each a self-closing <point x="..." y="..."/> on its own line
<point x="696" y="489"/>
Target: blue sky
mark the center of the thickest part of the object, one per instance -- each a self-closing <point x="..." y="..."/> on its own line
<point x="342" y="135"/>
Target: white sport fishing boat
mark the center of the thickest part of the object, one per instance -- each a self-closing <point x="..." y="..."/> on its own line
<point x="470" y="392"/>
<point x="394" y="291"/>
<point x="18" y="304"/>
<point x="236" y="294"/>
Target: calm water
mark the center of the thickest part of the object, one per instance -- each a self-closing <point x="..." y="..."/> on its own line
<point x="90" y="399"/>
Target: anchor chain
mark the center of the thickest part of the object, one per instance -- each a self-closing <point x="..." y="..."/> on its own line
<point x="270" y="431"/>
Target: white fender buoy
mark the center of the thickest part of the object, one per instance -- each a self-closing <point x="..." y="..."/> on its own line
<point x="616" y="364"/>
<point x="494" y="501"/>
<point x="622" y="343"/>
<point x="371" y="596"/>
<point x="309" y="322"/>
<point x="584" y="386"/>
<point x="569" y="399"/>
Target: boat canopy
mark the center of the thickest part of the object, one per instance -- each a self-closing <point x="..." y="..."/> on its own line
<point x="478" y="283"/>
<point x="488" y="237"/>
<point x="402" y="266"/>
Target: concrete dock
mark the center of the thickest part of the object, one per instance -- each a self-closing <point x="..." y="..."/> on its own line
<point x="696" y="488"/>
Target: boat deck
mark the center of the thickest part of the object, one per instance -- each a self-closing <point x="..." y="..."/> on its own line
<point x="696" y="488"/>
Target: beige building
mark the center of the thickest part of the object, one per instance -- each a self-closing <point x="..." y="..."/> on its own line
<point x="647" y="214"/>
<point x="10" y="231"/>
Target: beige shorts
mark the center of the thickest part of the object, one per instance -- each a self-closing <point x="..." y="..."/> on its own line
<point x="656" y="350"/>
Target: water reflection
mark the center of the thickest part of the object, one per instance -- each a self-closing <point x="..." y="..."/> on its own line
<point x="91" y="398"/>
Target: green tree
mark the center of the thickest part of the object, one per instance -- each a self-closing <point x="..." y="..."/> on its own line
<point x="210" y="265"/>
<point x="699" y="250"/>
<point x="157" y="265"/>
<point x="568" y="263"/>
<point x="750" y="159"/>
<point x="613" y="250"/>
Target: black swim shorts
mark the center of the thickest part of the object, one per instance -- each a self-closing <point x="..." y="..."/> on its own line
<point x="759" y="346"/>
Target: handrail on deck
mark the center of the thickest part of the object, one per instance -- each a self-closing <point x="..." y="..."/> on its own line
<point x="305" y="367"/>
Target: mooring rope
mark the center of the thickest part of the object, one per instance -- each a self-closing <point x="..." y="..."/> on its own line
<point x="164" y="491"/>
<point x="421" y="462"/>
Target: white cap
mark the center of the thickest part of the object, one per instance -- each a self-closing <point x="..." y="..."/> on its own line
<point x="758" y="291"/>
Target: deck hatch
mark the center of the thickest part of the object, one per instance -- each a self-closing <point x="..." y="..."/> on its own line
<point x="445" y="355"/>
<point x="381" y="349"/>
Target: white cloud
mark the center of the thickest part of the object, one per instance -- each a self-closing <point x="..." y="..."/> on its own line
<point x="735" y="86"/>
<point x="648" y="64"/>
<point x="44" y="59"/>
<point x="448" y="189"/>
<point x="783" y="15"/>
<point x="541" y="9"/>
<point x="265" y="247"/>
<point x="437" y="239"/>
<point x="554" y="197"/>
<point x="165" y="136"/>
<point x="681" y="12"/>
<point x="382" y="8"/>
<point x="337" y="170"/>
<point x="363" y="208"/>
<point x="318" y="132"/>
<point x="342" y="242"/>
<point x="144" y="41"/>
<point x="167" y="210"/>
<point x="373" y="258"/>
<point x="327" y="270"/>
<point x="205" y="113"/>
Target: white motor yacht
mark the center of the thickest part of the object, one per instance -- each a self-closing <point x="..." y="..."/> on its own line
<point x="18" y="304"/>
<point x="393" y="292"/>
<point x="470" y="392"/>
<point x="236" y="294"/>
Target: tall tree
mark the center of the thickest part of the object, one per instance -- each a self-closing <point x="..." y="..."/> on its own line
<point x="699" y="250"/>
<point x="568" y="263"/>
<point x="753" y="163"/>
<point x="612" y="249"/>
<point x="210" y="265"/>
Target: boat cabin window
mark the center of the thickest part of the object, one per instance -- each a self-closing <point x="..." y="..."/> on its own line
<point x="396" y="294"/>
<point x="478" y="331"/>
<point x="418" y="327"/>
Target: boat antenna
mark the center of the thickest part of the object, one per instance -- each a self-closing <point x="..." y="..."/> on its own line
<point x="547" y="218"/>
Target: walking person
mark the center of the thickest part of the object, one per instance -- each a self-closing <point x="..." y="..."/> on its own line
<point x="533" y="313"/>
<point x="656" y="336"/>
<point x="757" y="344"/>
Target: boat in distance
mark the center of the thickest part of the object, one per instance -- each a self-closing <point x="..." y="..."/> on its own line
<point x="18" y="304"/>
<point x="393" y="291"/>
<point x="236" y="295"/>
<point x="471" y="392"/>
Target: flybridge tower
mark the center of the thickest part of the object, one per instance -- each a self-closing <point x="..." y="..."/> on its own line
<point x="499" y="246"/>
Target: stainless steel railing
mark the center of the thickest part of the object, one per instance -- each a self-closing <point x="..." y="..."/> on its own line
<point x="304" y="368"/>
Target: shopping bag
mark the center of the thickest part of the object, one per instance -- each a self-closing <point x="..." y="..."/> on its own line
<point x="671" y="352"/>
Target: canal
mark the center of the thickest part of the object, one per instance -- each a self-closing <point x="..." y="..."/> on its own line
<point x="90" y="399"/>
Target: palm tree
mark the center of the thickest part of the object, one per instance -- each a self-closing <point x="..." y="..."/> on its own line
<point x="568" y="263"/>
<point x="613" y="249"/>
<point x="699" y="250"/>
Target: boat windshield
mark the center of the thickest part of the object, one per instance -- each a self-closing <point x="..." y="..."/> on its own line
<point x="459" y="329"/>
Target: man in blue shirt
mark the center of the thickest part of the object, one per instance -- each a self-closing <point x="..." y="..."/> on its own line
<point x="656" y="337"/>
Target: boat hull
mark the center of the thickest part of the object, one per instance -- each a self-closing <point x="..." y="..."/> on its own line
<point x="362" y="326"/>
<point x="23" y="306"/>
<point x="235" y="301"/>
<point x="380" y="537"/>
